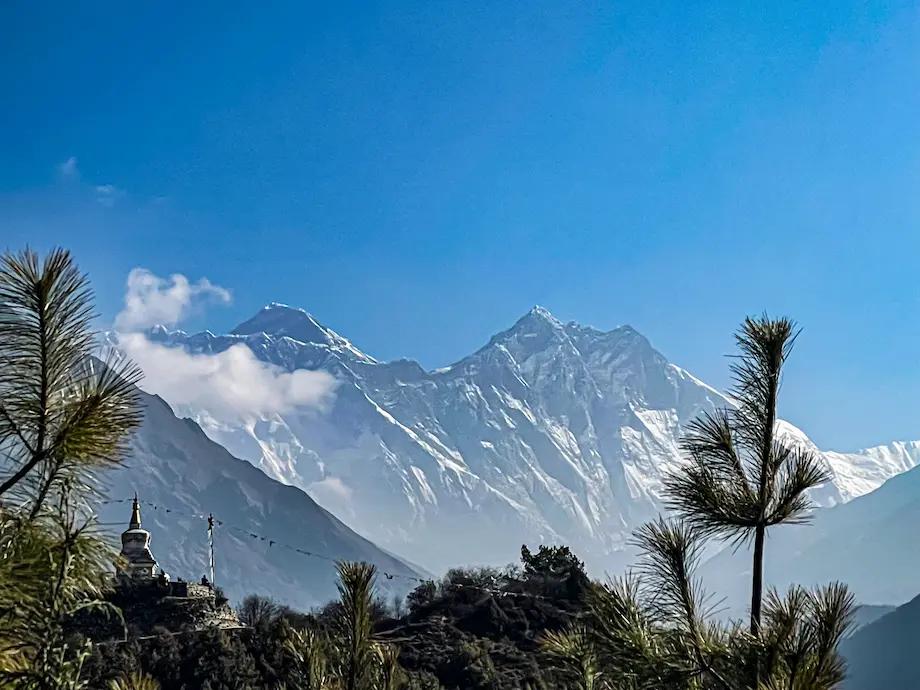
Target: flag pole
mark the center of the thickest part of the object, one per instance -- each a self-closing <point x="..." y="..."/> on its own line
<point x="211" y="546"/>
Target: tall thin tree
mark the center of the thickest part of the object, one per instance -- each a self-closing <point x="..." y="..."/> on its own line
<point x="743" y="477"/>
<point x="355" y="624"/>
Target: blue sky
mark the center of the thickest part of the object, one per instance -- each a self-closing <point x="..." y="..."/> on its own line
<point x="419" y="175"/>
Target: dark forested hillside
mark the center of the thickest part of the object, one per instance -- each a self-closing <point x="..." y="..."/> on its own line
<point x="473" y="629"/>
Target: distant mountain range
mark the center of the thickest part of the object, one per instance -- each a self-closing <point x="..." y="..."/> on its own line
<point x="551" y="432"/>
<point x="178" y="472"/>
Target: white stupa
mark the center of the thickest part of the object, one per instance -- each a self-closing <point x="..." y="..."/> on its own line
<point x="138" y="562"/>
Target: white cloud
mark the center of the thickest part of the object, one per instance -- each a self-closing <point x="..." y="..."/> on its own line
<point x="334" y="495"/>
<point x="69" y="168"/>
<point x="229" y="385"/>
<point x="332" y="486"/>
<point x="151" y="300"/>
<point x="107" y="194"/>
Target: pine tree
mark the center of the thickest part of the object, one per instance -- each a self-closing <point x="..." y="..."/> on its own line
<point x="308" y="650"/>
<point x="354" y="625"/>
<point x="63" y="416"/>
<point x="345" y="655"/>
<point x="743" y="477"/>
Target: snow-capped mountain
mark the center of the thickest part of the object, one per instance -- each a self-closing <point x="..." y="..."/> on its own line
<point x="859" y="473"/>
<point x="552" y="432"/>
<point x="179" y="473"/>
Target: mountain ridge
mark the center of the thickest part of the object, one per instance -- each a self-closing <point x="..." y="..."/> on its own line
<point x="551" y="431"/>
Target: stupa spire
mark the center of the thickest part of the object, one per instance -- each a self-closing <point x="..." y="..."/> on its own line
<point x="135" y="514"/>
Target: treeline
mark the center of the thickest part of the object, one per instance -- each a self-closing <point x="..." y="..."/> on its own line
<point x="65" y="415"/>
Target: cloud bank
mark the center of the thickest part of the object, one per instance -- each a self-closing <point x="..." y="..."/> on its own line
<point x="229" y="385"/>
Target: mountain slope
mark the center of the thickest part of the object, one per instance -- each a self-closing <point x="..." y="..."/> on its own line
<point x="550" y="432"/>
<point x="866" y="614"/>
<point x="883" y="654"/>
<point x="175" y="466"/>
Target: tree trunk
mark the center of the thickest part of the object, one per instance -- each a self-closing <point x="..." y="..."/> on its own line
<point x="757" y="580"/>
<point x="756" y="602"/>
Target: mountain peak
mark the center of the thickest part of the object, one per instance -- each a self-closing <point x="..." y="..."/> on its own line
<point x="282" y="306"/>
<point x="541" y="312"/>
<point x="537" y="315"/>
<point x="282" y="320"/>
<point x="533" y="332"/>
